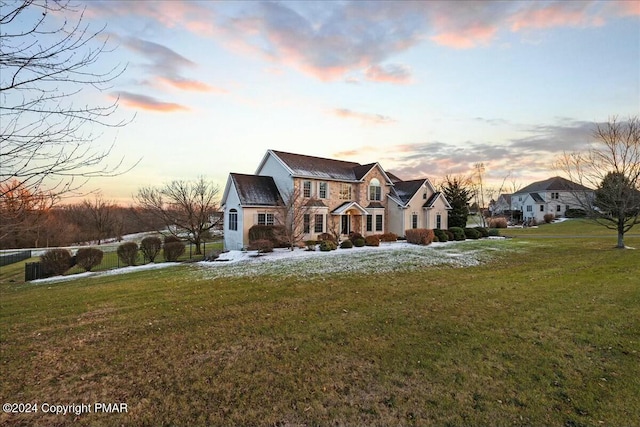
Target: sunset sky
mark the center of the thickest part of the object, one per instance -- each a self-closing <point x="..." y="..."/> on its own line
<point x="423" y="88"/>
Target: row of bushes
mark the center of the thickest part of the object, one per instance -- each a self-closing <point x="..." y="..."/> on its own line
<point x="55" y="262"/>
<point x="424" y="236"/>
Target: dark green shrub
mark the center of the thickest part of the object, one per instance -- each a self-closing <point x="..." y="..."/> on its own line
<point x="55" y="262"/>
<point x="150" y="247"/>
<point x="358" y="242"/>
<point x="435" y="238"/>
<point x="494" y="232"/>
<point x="262" y="246"/>
<point x="483" y="231"/>
<point x="311" y="245"/>
<point x="388" y="237"/>
<point x="472" y="233"/>
<point x="419" y="236"/>
<point x="87" y="258"/>
<point x="458" y="233"/>
<point x="328" y="245"/>
<point x="441" y="235"/>
<point x="346" y="244"/>
<point x="372" y="240"/>
<point x="128" y="253"/>
<point x="450" y="236"/>
<point x="173" y="250"/>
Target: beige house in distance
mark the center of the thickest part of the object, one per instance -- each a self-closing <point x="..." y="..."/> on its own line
<point x="338" y="197"/>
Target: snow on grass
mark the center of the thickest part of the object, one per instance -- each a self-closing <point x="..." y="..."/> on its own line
<point x="388" y="257"/>
<point x="123" y="270"/>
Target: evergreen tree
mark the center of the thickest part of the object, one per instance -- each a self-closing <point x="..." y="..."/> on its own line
<point x="458" y="192"/>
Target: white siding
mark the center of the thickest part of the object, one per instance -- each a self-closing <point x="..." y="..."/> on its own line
<point x="272" y="167"/>
<point x="233" y="239"/>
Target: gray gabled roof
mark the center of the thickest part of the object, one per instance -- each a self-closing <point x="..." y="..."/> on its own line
<point x="557" y="183"/>
<point x="321" y="168"/>
<point x="405" y="190"/>
<point x="256" y="190"/>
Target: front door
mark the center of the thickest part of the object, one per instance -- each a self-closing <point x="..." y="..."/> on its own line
<point x="346" y="224"/>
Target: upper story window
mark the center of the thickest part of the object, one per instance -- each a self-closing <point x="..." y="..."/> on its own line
<point x="233" y="220"/>
<point x="345" y="192"/>
<point x="306" y="188"/>
<point x="322" y="190"/>
<point x="555" y="196"/>
<point x="375" y="191"/>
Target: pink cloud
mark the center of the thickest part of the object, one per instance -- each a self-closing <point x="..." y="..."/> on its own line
<point x="376" y="119"/>
<point x="398" y="74"/>
<point x="566" y="14"/>
<point x="467" y="38"/>
<point x="149" y="103"/>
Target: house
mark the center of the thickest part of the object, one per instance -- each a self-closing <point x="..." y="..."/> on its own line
<point x="336" y="196"/>
<point x="552" y="196"/>
<point x="502" y="206"/>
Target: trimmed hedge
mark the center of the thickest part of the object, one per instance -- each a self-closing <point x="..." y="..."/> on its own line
<point x="359" y="242"/>
<point x="55" y="262"/>
<point x="328" y="245"/>
<point x="87" y="258"/>
<point x="472" y="233"/>
<point x="173" y="251"/>
<point x="483" y="231"/>
<point x="268" y="232"/>
<point x="128" y="252"/>
<point x="346" y="244"/>
<point x="419" y="236"/>
<point x="150" y="247"/>
<point x="441" y="235"/>
<point x="388" y="237"/>
<point x="494" y="232"/>
<point x="372" y="240"/>
<point x="458" y="233"/>
<point x="498" y="222"/>
<point x="548" y="218"/>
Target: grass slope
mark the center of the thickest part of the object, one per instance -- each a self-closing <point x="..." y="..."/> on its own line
<point x="549" y="335"/>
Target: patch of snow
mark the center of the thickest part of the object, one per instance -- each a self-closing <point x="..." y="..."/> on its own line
<point x="388" y="257"/>
<point x="113" y="272"/>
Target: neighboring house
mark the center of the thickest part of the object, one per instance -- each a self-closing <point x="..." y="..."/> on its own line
<point x="502" y="206"/>
<point x="551" y="196"/>
<point x="338" y="197"/>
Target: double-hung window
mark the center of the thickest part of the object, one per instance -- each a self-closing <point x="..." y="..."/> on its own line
<point x="319" y="223"/>
<point x="375" y="191"/>
<point x="378" y="222"/>
<point x="265" y="219"/>
<point x="233" y="220"/>
<point x="306" y="220"/>
<point x="306" y="189"/>
<point x="369" y="222"/>
<point x="322" y="190"/>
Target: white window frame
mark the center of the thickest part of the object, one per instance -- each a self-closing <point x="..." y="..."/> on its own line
<point x="306" y="189"/>
<point x="233" y="220"/>
<point x="345" y="191"/>
<point x="325" y="190"/>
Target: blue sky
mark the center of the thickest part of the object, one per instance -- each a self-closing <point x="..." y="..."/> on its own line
<point x="424" y="88"/>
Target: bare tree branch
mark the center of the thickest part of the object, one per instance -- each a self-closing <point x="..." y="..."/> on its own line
<point x="45" y="137"/>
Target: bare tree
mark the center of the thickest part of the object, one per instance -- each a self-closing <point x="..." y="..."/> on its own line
<point x="100" y="217"/>
<point x="185" y="208"/>
<point x="291" y="216"/>
<point x="22" y="214"/>
<point x="612" y="167"/>
<point x="45" y="136"/>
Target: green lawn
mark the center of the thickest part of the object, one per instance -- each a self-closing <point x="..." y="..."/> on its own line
<point x="546" y="332"/>
<point x="571" y="227"/>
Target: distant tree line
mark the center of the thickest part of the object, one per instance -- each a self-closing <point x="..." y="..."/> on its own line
<point x="30" y="220"/>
